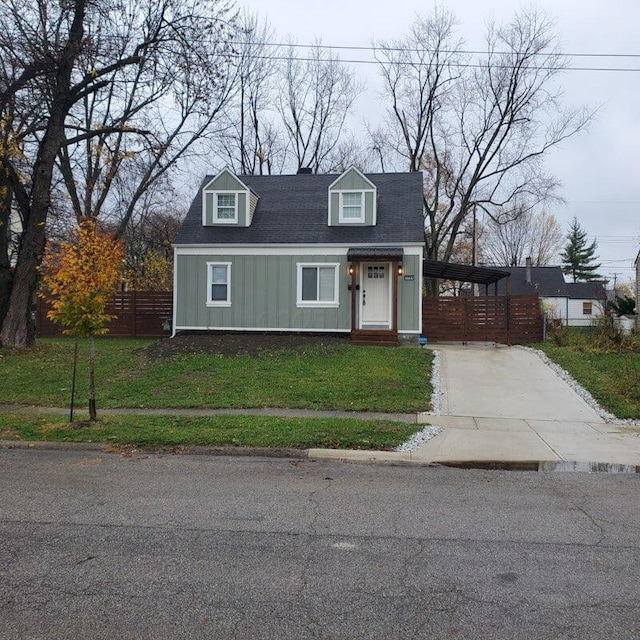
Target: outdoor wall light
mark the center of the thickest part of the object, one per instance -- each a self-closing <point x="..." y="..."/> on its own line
<point x="399" y="268"/>
<point x="351" y="270"/>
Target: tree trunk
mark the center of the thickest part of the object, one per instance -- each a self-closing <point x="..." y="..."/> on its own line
<point x="92" y="381"/>
<point x="6" y="281"/>
<point x="6" y="274"/>
<point x="17" y="322"/>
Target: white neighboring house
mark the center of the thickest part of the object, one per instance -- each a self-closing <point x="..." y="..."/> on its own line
<point x="574" y="304"/>
<point x="585" y="302"/>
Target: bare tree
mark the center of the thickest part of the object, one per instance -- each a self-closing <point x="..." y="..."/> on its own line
<point x="479" y="130"/>
<point x="58" y="56"/>
<point x="148" y="116"/>
<point x="535" y="235"/>
<point x="252" y="140"/>
<point x="316" y="94"/>
<point x="38" y="49"/>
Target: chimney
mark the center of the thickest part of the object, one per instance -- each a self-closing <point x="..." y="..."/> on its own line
<point x="305" y="171"/>
<point x="527" y="277"/>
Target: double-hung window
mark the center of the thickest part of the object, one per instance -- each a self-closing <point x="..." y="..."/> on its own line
<point x="225" y="207"/>
<point x="351" y="206"/>
<point x="218" y="284"/>
<point x="317" y="285"/>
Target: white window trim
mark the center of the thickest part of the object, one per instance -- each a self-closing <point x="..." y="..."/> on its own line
<point x="318" y="303"/>
<point x="341" y="217"/>
<point x="218" y="303"/>
<point x="214" y="218"/>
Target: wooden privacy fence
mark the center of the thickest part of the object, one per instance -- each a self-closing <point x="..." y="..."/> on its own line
<point x="504" y="319"/>
<point x="139" y="314"/>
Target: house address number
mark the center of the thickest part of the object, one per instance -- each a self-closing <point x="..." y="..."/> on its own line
<point x="409" y="278"/>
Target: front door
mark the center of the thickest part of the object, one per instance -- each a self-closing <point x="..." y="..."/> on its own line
<point x="375" y="295"/>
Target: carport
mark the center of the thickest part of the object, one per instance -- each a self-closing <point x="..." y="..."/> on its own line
<point x="505" y="319"/>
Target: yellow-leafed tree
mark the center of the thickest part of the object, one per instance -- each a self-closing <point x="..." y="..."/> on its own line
<point x="79" y="277"/>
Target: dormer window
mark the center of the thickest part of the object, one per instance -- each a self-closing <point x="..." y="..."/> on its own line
<point x="352" y="200"/>
<point x="227" y="201"/>
<point x="226" y="208"/>
<point x="351" y="206"/>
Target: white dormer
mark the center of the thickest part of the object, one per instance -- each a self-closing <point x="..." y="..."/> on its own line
<point x="352" y="200"/>
<point x="227" y="201"/>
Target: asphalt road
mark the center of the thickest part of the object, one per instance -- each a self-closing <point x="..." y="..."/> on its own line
<point x="99" y="545"/>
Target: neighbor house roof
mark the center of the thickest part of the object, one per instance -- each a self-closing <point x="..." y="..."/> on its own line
<point x="549" y="282"/>
<point x="586" y="290"/>
<point x="545" y="281"/>
<point x="294" y="210"/>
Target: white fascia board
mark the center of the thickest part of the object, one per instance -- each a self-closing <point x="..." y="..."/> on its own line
<point x="285" y="250"/>
<point x="175" y="292"/>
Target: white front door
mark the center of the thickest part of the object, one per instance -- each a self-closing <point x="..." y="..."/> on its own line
<point x="375" y="295"/>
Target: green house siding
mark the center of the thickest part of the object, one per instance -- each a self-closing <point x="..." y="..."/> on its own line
<point x="225" y="182"/>
<point x="352" y="181"/>
<point x="263" y="294"/>
<point x="409" y="295"/>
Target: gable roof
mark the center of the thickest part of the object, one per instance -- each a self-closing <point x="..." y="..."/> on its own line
<point x="293" y="210"/>
<point x="545" y="281"/>
<point x="355" y="170"/>
<point x="549" y="282"/>
<point x="586" y="290"/>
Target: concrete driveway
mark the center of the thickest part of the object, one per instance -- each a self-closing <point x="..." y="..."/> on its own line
<point x="506" y="404"/>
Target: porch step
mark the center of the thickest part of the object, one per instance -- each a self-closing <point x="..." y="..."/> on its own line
<point x="382" y="338"/>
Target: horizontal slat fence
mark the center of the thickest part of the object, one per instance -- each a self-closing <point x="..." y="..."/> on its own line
<point x="503" y="319"/>
<point x="139" y="314"/>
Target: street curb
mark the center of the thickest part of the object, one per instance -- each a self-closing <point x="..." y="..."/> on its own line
<point x="352" y="456"/>
<point x="105" y="447"/>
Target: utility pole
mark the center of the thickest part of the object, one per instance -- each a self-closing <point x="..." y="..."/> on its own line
<point x="474" y="239"/>
<point x="474" y="249"/>
<point x="615" y="283"/>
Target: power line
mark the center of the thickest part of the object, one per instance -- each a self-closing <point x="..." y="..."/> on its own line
<point x="374" y="49"/>
<point x="445" y="51"/>
<point x="456" y="65"/>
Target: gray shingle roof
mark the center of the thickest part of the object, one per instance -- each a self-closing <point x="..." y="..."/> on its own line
<point x="586" y="290"/>
<point x="549" y="282"/>
<point x="546" y="281"/>
<point x="293" y="210"/>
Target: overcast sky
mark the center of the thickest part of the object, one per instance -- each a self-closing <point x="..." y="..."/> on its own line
<point x="599" y="170"/>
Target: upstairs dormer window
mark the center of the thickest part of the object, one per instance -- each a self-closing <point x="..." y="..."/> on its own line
<point x="352" y="200"/>
<point x="227" y="201"/>
<point x="226" y="207"/>
<point x="351" y="206"/>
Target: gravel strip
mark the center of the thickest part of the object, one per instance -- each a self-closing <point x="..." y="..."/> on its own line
<point x="419" y="438"/>
<point x="581" y="391"/>
<point x="429" y="431"/>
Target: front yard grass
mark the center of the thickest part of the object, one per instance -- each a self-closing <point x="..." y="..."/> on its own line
<point x="613" y="379"/>
<point x="332" y="377"/>
<point x="173" y="431"/>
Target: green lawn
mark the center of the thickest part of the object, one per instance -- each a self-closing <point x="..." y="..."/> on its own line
<point x="613" y="379"/>
<point x="174" y="431"/>
<point x="337" y="376"/>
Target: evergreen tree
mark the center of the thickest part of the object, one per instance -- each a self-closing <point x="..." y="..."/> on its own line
<point x="578" y="258"/>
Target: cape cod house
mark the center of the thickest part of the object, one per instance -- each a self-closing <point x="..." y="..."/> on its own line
<point x="303" y="253"/>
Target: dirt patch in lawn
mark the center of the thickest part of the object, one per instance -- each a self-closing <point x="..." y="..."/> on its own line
<point x="235" y="343"/>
